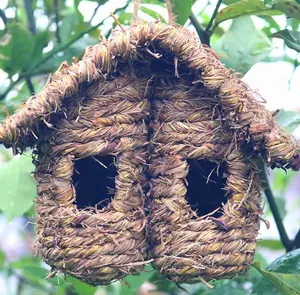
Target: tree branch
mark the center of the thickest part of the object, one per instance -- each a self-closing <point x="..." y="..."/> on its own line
<point x="16" y="8"/>
<point x="295" y="65"/>
<point x="275" y="211"/>
<point x="30" y="72"/>
<point x="66" y="45"/>
<point x="4" y="19"/>
<point x="30" y="16"/>
<point x="209" y="25"/>
<point x="30" y="86"/>
<point x="95" y="11"/>
<point x="20" y="78"/>
<point x="296" y="242"/>
<point x="57" y="30"/>
<point x="61" y="48"/>
<point x="203" y="35"/>
<point x="9" y="88"/>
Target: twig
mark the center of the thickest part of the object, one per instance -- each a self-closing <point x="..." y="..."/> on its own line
<point x="30" y="73"/>
<point x="10" y="87"/>
<point x="95" y="11"/>
<point x="30" y="17"/>
<point x="4" y="19"/>
<point x="209" y="25"/>
<point x="171" y="15"/>
<point x="203" y="35"/>
<point x="275" y="211"/>
<point x="57" y="30"/>
<point x="61" y="48"/>
<point x="295" y="64"/>
<point x="117" y="10"/>
<point x="30" y="86"/>
<point x="20" y="78"/>
<point x="117" y="22"/>
<point x="16" y="9"/>
<point x="66" y="45"/>
<point x="296" y="242"/>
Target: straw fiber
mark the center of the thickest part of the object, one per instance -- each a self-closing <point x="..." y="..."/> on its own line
<point x="177" y="138"/>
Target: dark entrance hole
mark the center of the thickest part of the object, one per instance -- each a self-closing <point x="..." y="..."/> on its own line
<point x="94" y="181"/>
<point x="205" y="190"/>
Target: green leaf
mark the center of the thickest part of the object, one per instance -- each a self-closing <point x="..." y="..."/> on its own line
<point x="281" y="181"/>
<point x="74" y="50"/>
<point x="244" y="8"/>
<point x="224" y="289"/>
<point x="157" y="2"/>
<point x="16" y="48"/>
<point x="134" y="282"/>
<point x="271" y="24"/>
<point x="67" y="27"/>
<point x="260" y="259"/>
<point x="112" y="289"/>
<point x="40" y="41"/>
<point x="182" y="10"/>
<point x="280" y="201"/>
<point x="294" y="23"/>
<point x="288" y="119"/>
<point x="290" y="7"/>
<point x="2" y="259"/>
<point x="242" y="45"/>
<point x="228" y="2"/>
<point x="288" y="263"/>
<point x="80" y="287"/>
<point x="152" y="13"/>
<point x="125" y="17"/>
<point x="163" y="285"/>
<point x="31" y="269"/>
<point x="280" y="281"/>
<point x="291" y="38"/>
<point x="287" y="268"/>
<point x="270" y="244"/>
<point x="17" y="189"/>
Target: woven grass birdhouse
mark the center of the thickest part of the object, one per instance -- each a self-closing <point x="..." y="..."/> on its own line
<point x="155" y="116"/>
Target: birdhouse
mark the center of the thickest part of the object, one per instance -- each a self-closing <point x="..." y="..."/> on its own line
<point x="148" y="150"/>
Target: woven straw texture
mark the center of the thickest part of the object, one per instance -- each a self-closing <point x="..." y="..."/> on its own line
<point x="159" y="102"/>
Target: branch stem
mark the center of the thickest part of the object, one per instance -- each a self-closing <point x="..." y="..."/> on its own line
<point x="57" y="29"/>
<point x="30" y="16"/>
<point x="296" y="242"/>
<point x="211" y="21"/>
<point x="30" y="86"/>
<point x="4" y="19"/>
<point x="60" y="49"/>
<point x="276" y="214"/>
<point x="9" y="88"/>
<point x="95" y="12"/>
<point x="30" y="72"/>
<point x="203" y="35"/>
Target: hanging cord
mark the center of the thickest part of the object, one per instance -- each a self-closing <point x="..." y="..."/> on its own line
<point x="135" y="17"/>
<point x="171" y="16"/>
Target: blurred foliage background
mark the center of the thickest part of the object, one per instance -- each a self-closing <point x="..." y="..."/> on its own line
<point x="36" y="36"/>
